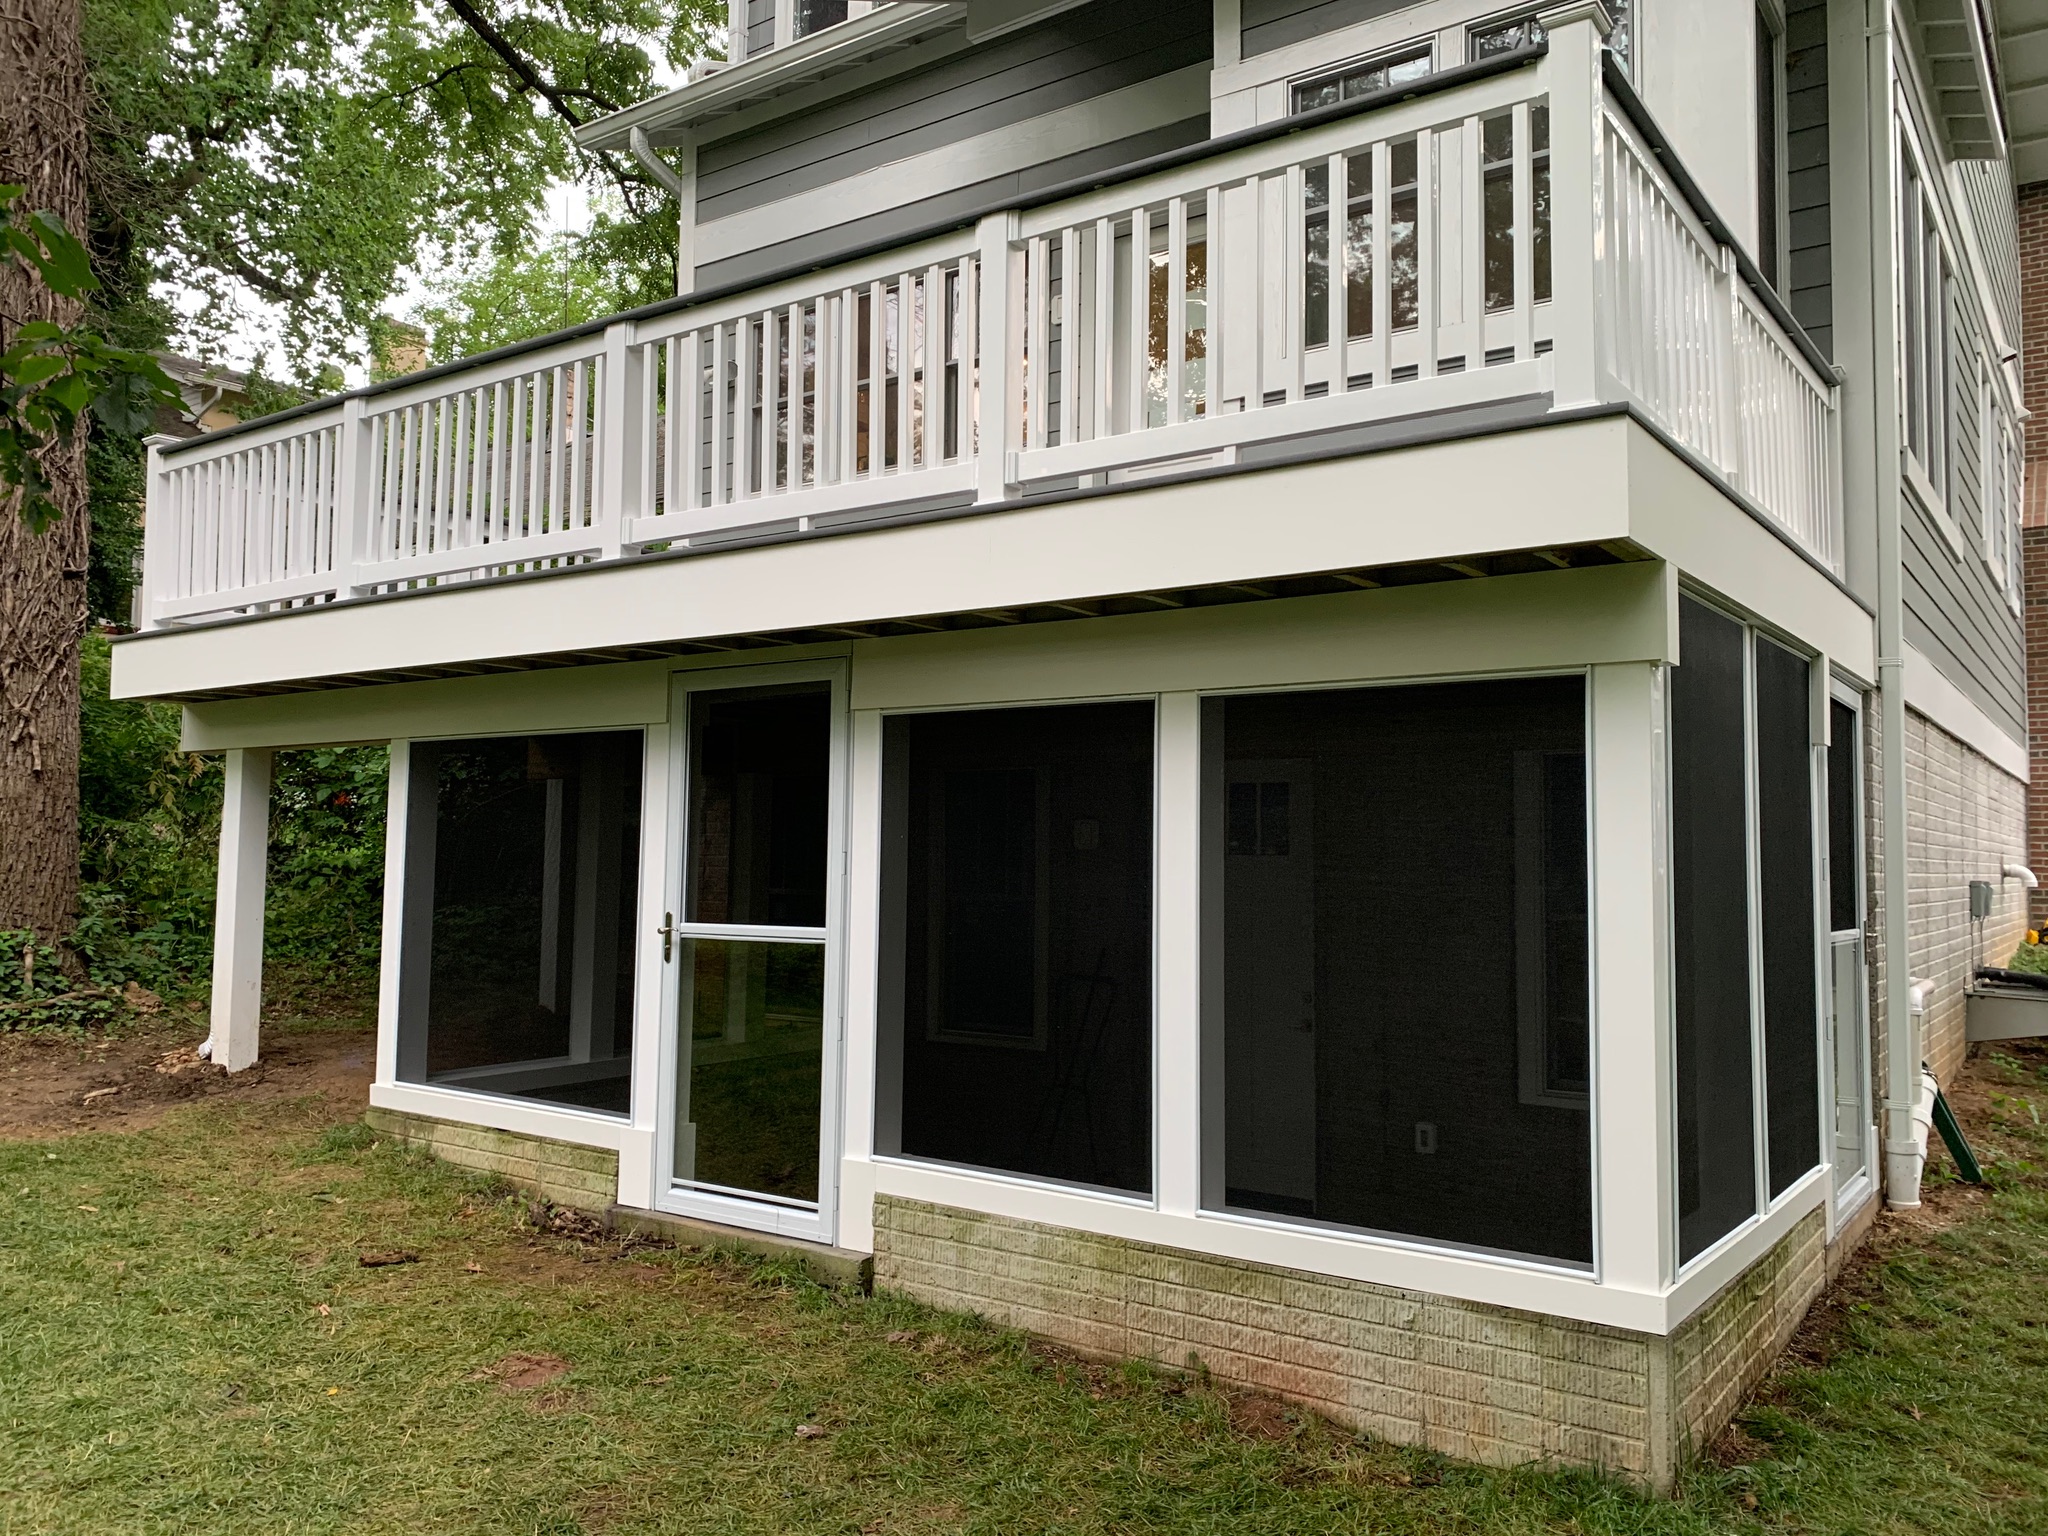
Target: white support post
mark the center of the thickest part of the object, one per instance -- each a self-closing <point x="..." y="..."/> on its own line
<point x="1635" y="1180"/>
<point x="391" y="973"/>
<point x="1002" y="353"/>
<point x="620" y="449"/>
<point x="1572" y="79"/>
<point x="238" y="909"/>
<point x="1178" y="916"/>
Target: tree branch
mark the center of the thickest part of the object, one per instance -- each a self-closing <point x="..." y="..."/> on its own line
<point x="523" y="68"/>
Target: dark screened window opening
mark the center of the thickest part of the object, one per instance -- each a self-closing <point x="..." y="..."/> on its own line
<point x="1844" y="878"/>
<point x="522" y="871"/>
<point x="1017" y="941"/>
<point x="1785" y="858"/>
<point x="1364" y="79"/>
<point x="1710" y="930"/>
<point x="758" y="799"/>
<point x="1396" y="885"/>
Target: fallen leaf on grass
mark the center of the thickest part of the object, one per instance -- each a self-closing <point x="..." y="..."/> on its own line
<point x="472" y="1269"/>
<point x="810" y="1431"/>
<point x="903" y="1336"/>
<point x="323" y="1309"/>
<point x="96" y="1210"/>
<point x="385" y="1260"/>
<point x="101" y="1093"/>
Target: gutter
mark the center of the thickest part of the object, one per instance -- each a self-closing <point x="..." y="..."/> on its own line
<point x="1905" y="1146"/>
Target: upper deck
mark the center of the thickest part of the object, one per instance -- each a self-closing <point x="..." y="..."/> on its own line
<point x="1516" y="246"/>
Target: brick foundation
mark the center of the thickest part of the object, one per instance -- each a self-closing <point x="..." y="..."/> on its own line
<point x="1483" y="1383"/>
<point x="585" y="1178"/>
<point x="1965" y="818"/>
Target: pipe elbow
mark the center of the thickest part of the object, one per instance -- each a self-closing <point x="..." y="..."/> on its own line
<point x="2024" y="875"/>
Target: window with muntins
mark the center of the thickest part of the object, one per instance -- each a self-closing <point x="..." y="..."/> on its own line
<point x="1017" y="942"/>
<point x="1396" y="1002"/>
<point x="1745" y="918"/>
<point x="1522" y="29"/>
<point x="521" y="884"/>
<point x="762" y="24"/>
<point x="1401" y="67"/>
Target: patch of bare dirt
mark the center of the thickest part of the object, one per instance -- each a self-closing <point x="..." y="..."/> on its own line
<point x="51" y="1085"/>
<point x="521" y="1372"/>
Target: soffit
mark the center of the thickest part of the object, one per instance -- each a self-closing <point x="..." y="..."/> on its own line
<point x="2023" y="70"/>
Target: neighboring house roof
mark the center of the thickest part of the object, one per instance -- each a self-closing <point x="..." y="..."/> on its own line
<point x="211" y="396"/>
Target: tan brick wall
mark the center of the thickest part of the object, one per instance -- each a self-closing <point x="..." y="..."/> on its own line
<point x="1723" y="1350"/>
<point x="1965" y="818"/>
<point x="1486" y="1384"/>
<point x="586" y="1178"/>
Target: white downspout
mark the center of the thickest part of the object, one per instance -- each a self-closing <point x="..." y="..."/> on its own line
<point x="683" y="188"/>
<point x="1904" y="1144"/>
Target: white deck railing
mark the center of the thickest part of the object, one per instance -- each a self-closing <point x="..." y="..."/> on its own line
<point x="1417" y="258"/>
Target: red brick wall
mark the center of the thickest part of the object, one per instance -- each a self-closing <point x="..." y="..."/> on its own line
<point x="2033" y="221"/>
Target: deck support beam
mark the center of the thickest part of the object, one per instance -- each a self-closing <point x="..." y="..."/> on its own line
<point x="238" y="909"/>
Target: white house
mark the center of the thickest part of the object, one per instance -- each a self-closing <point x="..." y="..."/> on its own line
<point x="1297" y="681"/>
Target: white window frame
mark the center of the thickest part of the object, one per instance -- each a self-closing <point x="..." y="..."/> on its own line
<point x="785" y="24"/>
<point x="2000" y="467"/>
<point x="1425" y="46"/>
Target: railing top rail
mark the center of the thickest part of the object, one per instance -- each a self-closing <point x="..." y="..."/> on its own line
<point x="1624" y="95"/>
<point x="803" y="286"/>
<point x="482" y="375"/>
<point x="1443" y="80"/>
<point x="260" y="433"/>
<point x="1395" y="120"/>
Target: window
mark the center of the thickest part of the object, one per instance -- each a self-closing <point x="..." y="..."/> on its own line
<point x="751" y="952"/>
<point x="1017" y="943"/>
<point x="1745" y="915"/>
<point x="1926" y="294"/>
<point x="1770" y="232"/>
<point x="522" y="863"/>
<point x="1505" y="34"/>
<point x="763" y="24"/>
<point x="1354" y="80"/>
<point x="2000" y="472"/>
<point x="1396" y="1006"/>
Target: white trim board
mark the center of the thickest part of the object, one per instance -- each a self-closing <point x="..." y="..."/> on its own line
<point x="1071" y="130"/>
<point x="1931" y="694"/>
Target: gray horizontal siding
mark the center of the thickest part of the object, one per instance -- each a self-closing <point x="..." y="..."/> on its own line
<point x="1270" y="24"/>
<point x="1810" y="275"/>
<point x="826" y="245"/>
<point x="1955" y="612"/>
<point x="1071" y="59"/>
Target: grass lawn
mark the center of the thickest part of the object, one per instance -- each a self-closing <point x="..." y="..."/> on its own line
<point x="188" y="1342"/>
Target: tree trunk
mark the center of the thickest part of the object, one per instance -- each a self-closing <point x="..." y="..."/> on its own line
<point x="42" y="578"/>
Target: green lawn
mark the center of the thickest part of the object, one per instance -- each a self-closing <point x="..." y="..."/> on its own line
<point x="188" y="1343"/>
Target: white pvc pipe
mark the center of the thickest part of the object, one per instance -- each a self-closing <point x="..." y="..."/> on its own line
<point x="1905" y="1159"/>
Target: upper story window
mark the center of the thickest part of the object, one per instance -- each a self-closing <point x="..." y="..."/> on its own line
<point x="761" y="25"/>
<point x="1770" y="160"/>
<point x="1524" y="29"/>
<point x="1926" y="287"/>
<point x="2002" y="475"/>
<point x="1362" y="79"/>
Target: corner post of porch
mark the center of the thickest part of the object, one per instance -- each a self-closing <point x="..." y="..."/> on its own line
<point x="238" y="909"/>
<point x="1632" y="1040"/>
<point x="1576" y="34"/>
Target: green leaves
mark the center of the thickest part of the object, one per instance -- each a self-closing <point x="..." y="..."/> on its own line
<point x="52" y="376"/>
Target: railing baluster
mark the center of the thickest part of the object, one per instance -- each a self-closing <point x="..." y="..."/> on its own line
<point x="1213" y="243"/>
<point x="1523" y="178"/>
<point x="1176" y="328"/>
<point x="1140" y="317"/>
<point x="1428" y="269"/>
<point x="1337" y="298"/>
<point x="1472" y="242"/>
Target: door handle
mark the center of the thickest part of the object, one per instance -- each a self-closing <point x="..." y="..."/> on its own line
<point x="668" y="937"/>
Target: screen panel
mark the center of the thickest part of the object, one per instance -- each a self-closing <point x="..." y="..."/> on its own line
<point x="1785" y="867"/>
<point x="1710" y="930"/>
<point x="1017" y="903"/>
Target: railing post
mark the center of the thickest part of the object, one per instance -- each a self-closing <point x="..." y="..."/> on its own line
<point x="158" y="537"/>
<point x="620" y="448"/>
<point x="1732" y="450"/>
<point x="1576" y="34"/>
<point x="353" y="483"/>
<point x="1002" y="354"/>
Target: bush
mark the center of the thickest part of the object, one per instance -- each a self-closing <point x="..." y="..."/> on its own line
<point x="149" y="828"/>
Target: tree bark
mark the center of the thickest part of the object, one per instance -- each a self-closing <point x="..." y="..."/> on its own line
<point x="42" y="577"/>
